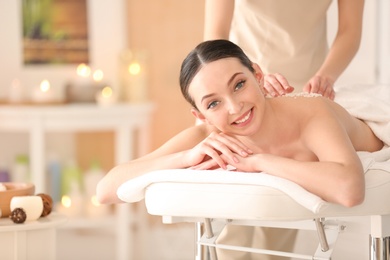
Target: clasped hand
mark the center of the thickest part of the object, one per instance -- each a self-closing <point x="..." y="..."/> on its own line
<point x="219" y="150"/>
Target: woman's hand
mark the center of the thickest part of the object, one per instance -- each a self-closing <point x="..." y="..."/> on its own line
<point x="248" y="163"/>
<point x="321" y="85"/>
<point x="276" y="85"/>
<point x="215" y="151"/>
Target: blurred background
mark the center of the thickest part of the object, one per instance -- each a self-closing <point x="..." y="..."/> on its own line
<point x="100" y="54"/>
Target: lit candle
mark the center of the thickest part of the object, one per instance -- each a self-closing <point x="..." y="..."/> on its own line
<point x="98" y="76"/>
<point x="71" y="204"/>
<point x="137" y="82"/>
<point x="83" y="72"/>
<point x="44" y="93"/>
<point x="95" y="209"/>
<point x="106" y="96"/>
<point x="133" y="75"/>
<point x="91" y="179"/>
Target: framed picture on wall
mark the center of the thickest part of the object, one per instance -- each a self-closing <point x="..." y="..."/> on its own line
<point x="105" y="36"/>
<point x="55" y="31"/>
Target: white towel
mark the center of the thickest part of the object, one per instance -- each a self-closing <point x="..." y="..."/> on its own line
<point x="134" y="190"/>
<point x="370" y="103"/>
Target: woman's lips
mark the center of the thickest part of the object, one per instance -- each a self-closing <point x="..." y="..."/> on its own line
<point x="244" y="118"/>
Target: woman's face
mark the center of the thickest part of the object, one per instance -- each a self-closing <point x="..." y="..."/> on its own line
<point x="229" y="96"/>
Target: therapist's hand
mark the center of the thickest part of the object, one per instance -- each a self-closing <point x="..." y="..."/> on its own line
<point x="321" y="85"/>
<point x="276" y="85"/>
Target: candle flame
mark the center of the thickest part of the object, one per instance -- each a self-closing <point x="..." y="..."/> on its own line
<point x="107" y="92"/>
<point x="66" y="201"/>
<point x="98" y="75"/>
<point x="45" y="85"/>
<point x="95" y="201"/>
<point x="134" y="68"/>
<point x="83" y="70"/>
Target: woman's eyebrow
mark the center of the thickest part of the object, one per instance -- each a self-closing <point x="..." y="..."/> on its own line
<point x="228" y="84"/>
<point x="232" y="77"/>
<point x="206" y="96"/>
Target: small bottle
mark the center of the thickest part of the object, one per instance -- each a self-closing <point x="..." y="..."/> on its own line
<point x="54" y="177"/>
<point x="72" y="189"/>
<point x="20" y="169"/>
<point x="4" y="174"/>
<point x="91" y="178"/>
<point x="71" y="178"/>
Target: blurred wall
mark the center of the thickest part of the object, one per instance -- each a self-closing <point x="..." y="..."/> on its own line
<point x="167" y="30"/>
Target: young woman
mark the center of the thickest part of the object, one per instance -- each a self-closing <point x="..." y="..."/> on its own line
<point x="307" y="139"/>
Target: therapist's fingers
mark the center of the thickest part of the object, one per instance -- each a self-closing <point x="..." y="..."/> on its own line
<point x="314" y="85"/>
<point x="320" y="85"/>
<point x="329" y="92"/>
<point x="276" y="85"/>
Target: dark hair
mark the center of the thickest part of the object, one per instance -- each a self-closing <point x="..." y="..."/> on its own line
<point x="205" y="53"/>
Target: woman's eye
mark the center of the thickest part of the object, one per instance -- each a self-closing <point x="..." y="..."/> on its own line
<point x="212" y="104"/>
<point x="239" y="85"/>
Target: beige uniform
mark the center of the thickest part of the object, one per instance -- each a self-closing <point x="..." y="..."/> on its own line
<point x="284" y="36"/>
<point x="288" y="37"/>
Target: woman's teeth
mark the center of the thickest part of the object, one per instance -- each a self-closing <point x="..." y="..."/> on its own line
<point x="244" y="119"/>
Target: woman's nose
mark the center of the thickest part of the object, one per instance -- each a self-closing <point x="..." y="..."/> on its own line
<point x="234" y="106"/>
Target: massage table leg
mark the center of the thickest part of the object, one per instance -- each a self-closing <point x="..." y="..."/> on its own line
<point x="379" y="248"/>
<point x="327" y="232"/>
<point x="380" y="238"/>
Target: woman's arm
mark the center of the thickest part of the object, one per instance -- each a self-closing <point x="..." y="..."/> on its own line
<point x="188" y="148"/>
<point x="218" y="19"/>
<point x="343" y="49"/>
<point x="107" y="187"/>
<point x="336" y="177"/>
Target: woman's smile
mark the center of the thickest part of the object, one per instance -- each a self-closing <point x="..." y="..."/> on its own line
<point x="244" y="119"/>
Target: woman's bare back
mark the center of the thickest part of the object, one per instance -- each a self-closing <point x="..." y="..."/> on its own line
<point x="307" y="109"/>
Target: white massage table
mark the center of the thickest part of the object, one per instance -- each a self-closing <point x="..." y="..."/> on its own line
<point x="220" y="198"/>
<point x="201" y="199"/>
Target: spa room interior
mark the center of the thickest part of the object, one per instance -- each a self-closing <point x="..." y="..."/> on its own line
<point x="95" y="83"/>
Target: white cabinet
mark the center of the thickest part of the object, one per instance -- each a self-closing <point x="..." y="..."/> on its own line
<point x="32" y="240"/>
<point x="123" y="119"/>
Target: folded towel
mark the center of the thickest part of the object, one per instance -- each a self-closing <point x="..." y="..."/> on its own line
<point x="379" y="160"/>
<point x="134" y="190"/>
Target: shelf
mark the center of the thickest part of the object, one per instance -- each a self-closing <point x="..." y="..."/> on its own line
<point x="123" y="119"/>
<point x="52" y="220"/>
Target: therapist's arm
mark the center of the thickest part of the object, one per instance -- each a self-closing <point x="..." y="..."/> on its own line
<point x="343" y="49"/>
<point x="218" y="19"/>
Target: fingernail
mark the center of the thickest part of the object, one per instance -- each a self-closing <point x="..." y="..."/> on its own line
<point x="243" y="153"/>
<point x="235" y="159"/>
